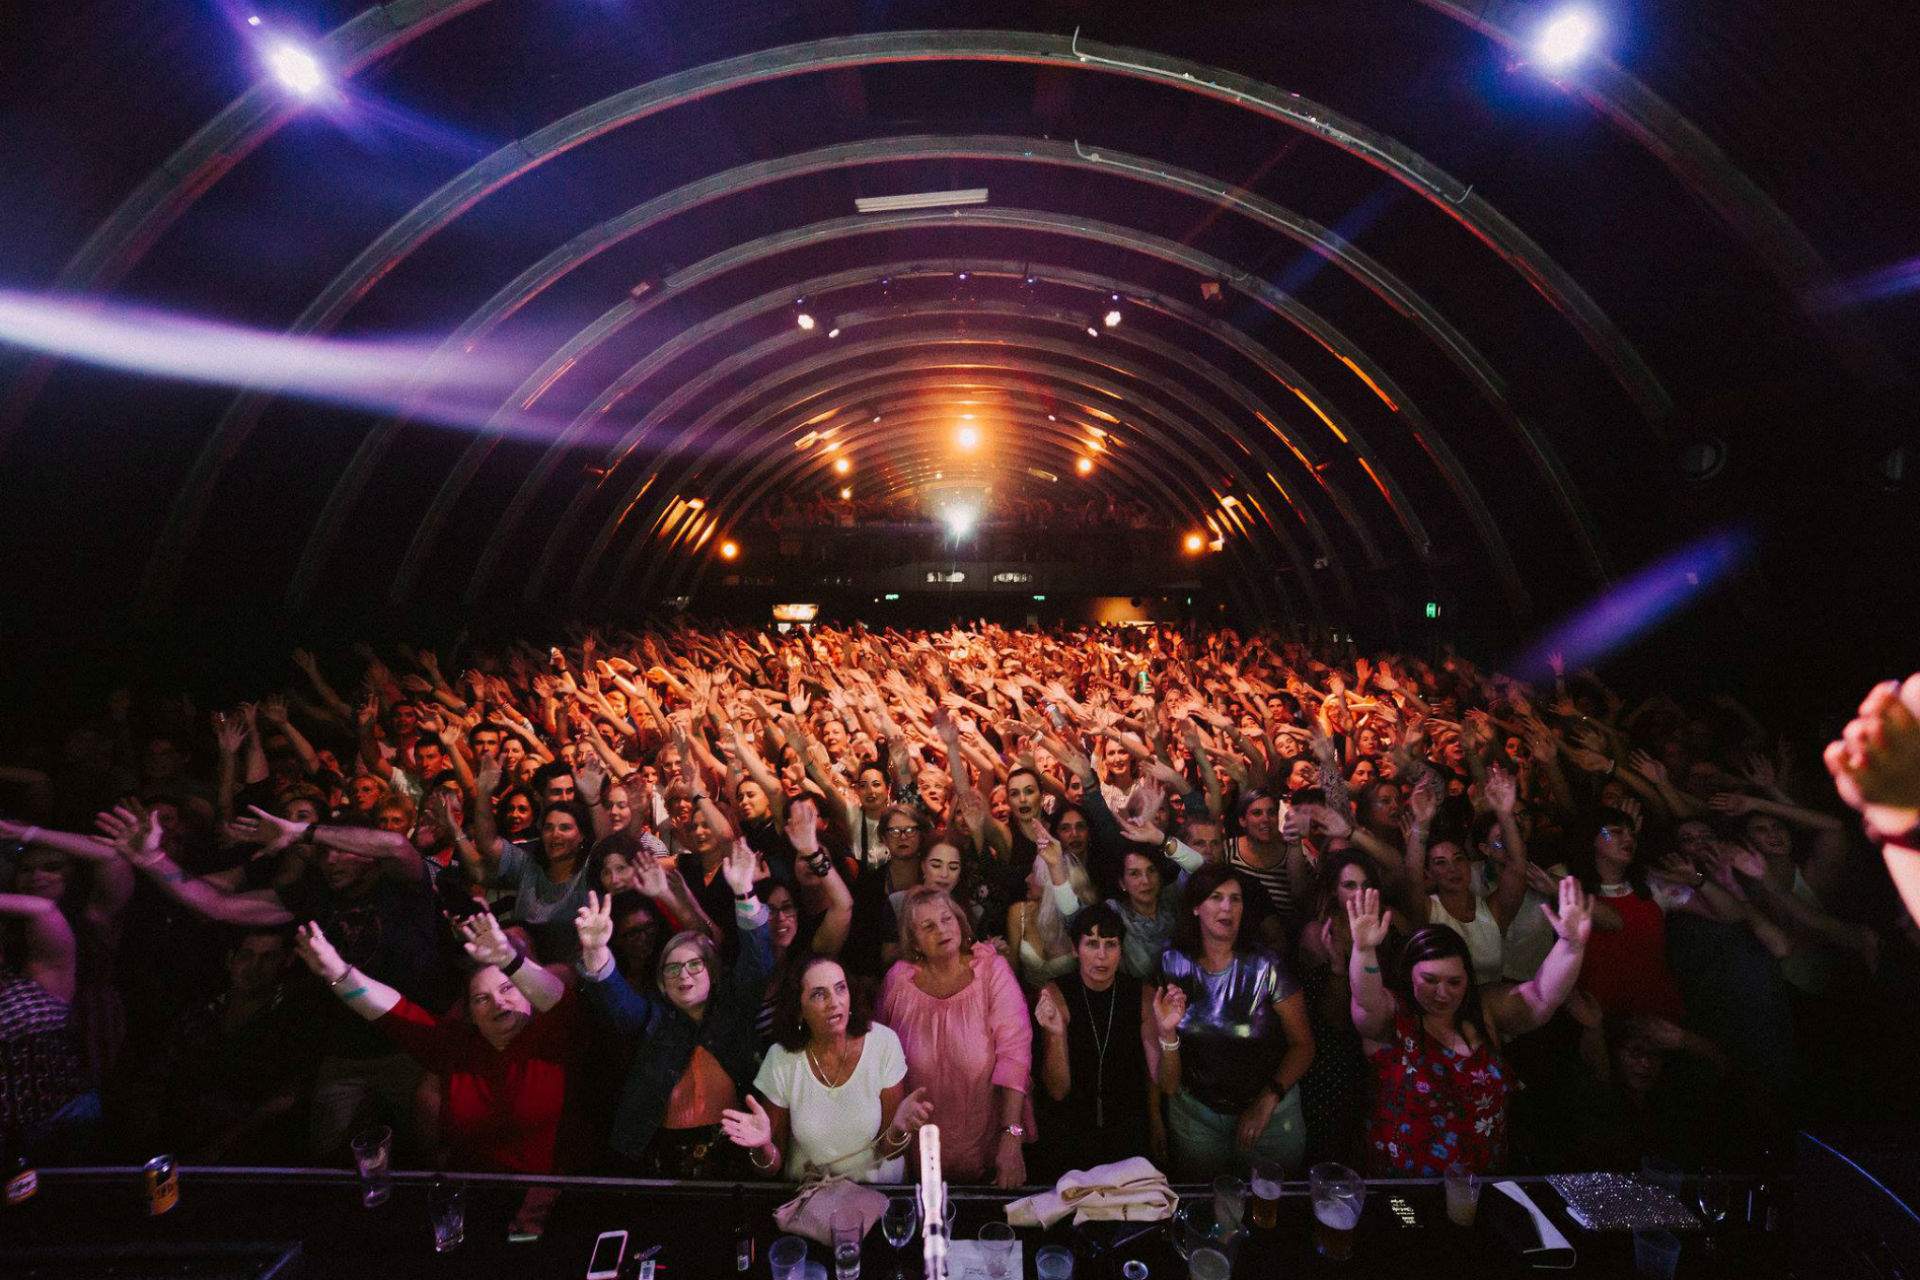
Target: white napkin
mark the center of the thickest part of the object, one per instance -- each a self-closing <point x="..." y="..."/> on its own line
<point x="1131" y="1190"/>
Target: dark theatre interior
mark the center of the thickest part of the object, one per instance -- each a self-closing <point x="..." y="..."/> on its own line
<point x="988" y="640"/>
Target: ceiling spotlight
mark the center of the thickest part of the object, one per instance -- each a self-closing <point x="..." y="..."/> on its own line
<point x="1112" y="318"/>
<point x="960" y="521"/>
<point x="1212" y="292"/>
<point x="296" y="69"/>
<point x="846" y="494"/>
<point x="842" y="465"/>
<point x="802" y="316"/>
<point x="834" y="332"/>
<point x="696" y="504"/>
<point x="1092" y="332"/>
<point x="729" y="550"/>
<point x="964" y="276"/>
<point x="1084" y="466"/>
<point x="968" y="438"/>
<point x="1566" y="37"/>
<point x="253" y="20"/>
<point x="1051" y="418"/>
<point x="1194" y="543"/>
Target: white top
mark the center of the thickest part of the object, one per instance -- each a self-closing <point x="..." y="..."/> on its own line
<point x="1482" y="933"/>
<point x="828" y="1123"/>
<point x="1529" y="938"/>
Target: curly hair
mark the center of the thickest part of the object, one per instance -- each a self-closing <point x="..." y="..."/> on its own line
<point x="790" y="1024"/>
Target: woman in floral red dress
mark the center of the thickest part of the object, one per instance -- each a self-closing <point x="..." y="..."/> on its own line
<point x="1434" y="1037"/>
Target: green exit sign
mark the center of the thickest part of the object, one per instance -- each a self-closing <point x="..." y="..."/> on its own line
<point x="1433" y="608"/>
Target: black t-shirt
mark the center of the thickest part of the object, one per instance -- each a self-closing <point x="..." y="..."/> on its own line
<point x="391" y="931"/>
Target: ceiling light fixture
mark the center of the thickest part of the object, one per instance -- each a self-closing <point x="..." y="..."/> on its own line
<point x="921" y="200"/>
<point x="1566" y="38"/>
<point x="296" y="69"/>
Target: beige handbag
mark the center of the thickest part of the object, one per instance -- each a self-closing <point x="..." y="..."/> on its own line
<point x="810" y="1213"/>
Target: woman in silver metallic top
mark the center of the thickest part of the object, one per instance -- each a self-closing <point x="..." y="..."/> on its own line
<point x="1243" y="1044"/>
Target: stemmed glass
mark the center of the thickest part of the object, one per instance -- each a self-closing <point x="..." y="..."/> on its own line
<point x="898" y="1224"/>
<point x="1715" y="1198"/>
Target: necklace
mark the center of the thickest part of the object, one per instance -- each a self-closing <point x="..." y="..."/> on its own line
<point x="1100" y="1043"/>
<point x="826" y="1077"/>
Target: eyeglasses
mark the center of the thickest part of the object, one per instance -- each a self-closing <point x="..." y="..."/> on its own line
<point x="692" y="968"/>
<point x="788" y="910"/>
<point x="899" y="831"/>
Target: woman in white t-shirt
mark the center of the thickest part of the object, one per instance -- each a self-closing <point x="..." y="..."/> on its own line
<point x="835" y="1088"/>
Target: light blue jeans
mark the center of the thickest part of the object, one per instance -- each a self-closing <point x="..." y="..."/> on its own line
<point x="1202" y="1138"/>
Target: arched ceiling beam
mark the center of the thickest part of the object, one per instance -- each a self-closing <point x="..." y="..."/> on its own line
<point x="1253" y="574"/>
<point x="1330" y="245"/>
<point x="167" y="192"/>
<point x="1186" y="441"/>
<point x="602" y="407"/>
<point x="988" y="369"/>
<point x="1701" y="166"/>
<point x="522" y="156"/>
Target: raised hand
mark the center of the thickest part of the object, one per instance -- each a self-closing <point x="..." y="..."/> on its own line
<point x="591" y="779"/>
<point x="257" y="826"/>
<point x="1500" y="791"/>
<point x="1050" y="1011"/>
<point x="593" y="925"/>
<point x="651" y="875"/>
<point x="1369" y="925"/>
<point x="311" y="945"/>
<point x="740" y="867"/>
<point x="803" y="827"/>
<point x="1423" y="802"/>
<point x="273" y="709"/>
<point x="750" y="1128"/>
<point x="230" y="732"/>
<point x="487" y="780"/>
<point x="1169" y="1007"/>
<point x="1574" y="921"/>
<point x="484" y="940"/>
<point x="135" y="833"/>
<point x="1731" y="803"/>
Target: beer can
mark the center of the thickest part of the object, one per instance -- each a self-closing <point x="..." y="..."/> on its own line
<point x="162" y="1183"/>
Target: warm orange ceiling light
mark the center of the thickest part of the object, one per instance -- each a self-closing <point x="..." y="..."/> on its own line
<point x="1195" y="543"/>
<point x="1084" y="466"/>
<point x="842" y="465"/>
<point x="729" y="549"/>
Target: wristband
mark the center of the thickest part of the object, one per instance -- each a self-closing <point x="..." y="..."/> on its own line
<point x="1370" y="968"/>
<point x="1170" y="1046"/>
<point x="306" y="837"/>
<point x="751" y="1155"/>
<point x="512" y="966"/>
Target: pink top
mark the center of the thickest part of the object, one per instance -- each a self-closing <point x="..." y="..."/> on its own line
<point x="958" y="1049"/>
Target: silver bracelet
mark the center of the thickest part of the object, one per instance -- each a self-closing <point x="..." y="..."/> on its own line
<point x="342" y="978"/>
<point x="1170" y="1046"/>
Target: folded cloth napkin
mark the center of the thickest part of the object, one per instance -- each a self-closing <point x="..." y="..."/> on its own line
<point x="1126" y="1191"/>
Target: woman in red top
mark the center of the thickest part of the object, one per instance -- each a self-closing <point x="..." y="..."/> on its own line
<point x="1626" y="969"/>
<point x="505" y="1067"/>
<point x="1434" y="1037"/>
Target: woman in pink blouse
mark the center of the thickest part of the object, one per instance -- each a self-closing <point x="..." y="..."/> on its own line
<point x="963" y="1023"/>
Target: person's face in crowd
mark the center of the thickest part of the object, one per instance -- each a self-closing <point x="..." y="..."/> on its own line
<point x="1288" y="747"/>
<point x="617" y="874"/>
<point x="1493" y="845"/>
<point x="164" y="759"/>
<point x="684" y="977"/>
<point x="328" y="761"/>
<point x="1516" y="749"/>
<point x="406" y="721"/>
<point x="700" y="833"/>
<point x="430" y="756"/>
<point x="559" y="788"/>
<point x="619" y="806"/>
<point x="1612" y="792"/>
<point x="1367" y="741"/>
<point x="937" y="930"/>
<point x="1453" y="752"/>
<point x="940" y="869"/>
<point x="934" y="789"/>
<point x="833" y="736"/>
<point x="1076" y="788"/>
<point x="43" y="873"/>
<point x="513" y="754"/>
<point x="1278" y="711"/>
<point x="1140" y="881"/>
<point x="1613" y="849"/>
<point x="635" y="934"/>
<point x="1767" y="836"/>
<point x="753" y="802"/>
<point x="1440" y="986"/>
<point x="393" y="817"/>
<point x="783" y="917"/>
<point x="680" y="815"/>
<point x="1302" y="773"/>
<point x="825" y="1003"/>
<point x="1637" y="1062"/>
<point x="485" y="743"/>
<point x="1353" y="878"/>
<point x="1208" y="839"/>
<point x="999" y="806"/>
<point x="497" y="1007"/>
<point x="1694" y="839"/>
<point x="1261" y="819"/>
<point x="650" y="777"/>
<point x="865" y="750"/>
<point x="561" y="834"/>
<point x="902" y="835"/>
<point x="1383" y="808"/>
<point x="1386" y="767"/>
<point x="1023" y="796"/>
<point x="256" y="964"/>
<point x="667" y="761"/>
<point x="617" y="699"/>
<point x="1447" y="867"/>
<point x="570" y="754"/>
<point x="872" y="788"/>
<point x="1118" y="762"/>
<point x="347" y="872"/>
<point x="1073" y="833"/>
<point x="1363" y="773"/>
<point x="1220" y="913"/>
<point x="303" y="810"/>
<point x="519" y="813"/>
<point x="366" y="791"/>
<point x="1099" y="955"/>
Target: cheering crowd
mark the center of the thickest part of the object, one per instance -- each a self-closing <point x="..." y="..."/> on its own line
<point x="729" y="903"/>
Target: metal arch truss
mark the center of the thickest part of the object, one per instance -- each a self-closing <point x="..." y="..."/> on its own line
<point x="1354" y="262"/>
<point x="514" y="160"/>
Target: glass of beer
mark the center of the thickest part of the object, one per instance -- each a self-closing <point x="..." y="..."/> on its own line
<point x="1338" y="1194"/>
<point x="1263" y="1195"/>
<point x="1463" y="1195"/>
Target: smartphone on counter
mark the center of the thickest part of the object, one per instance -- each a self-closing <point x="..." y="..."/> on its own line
<point x="608" y="1253"/>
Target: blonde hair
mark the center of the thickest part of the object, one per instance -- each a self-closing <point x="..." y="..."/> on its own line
<point x="925" y="895"/>
<point x="1048" y="924"/>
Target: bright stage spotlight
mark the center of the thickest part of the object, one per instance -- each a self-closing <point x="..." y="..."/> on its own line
<point x="967" y="438"/>
<point x="1084" y="466"/>
<point x="802" y="316"/>
<point x="842" y="465"/>
<point x="960" y="522"/>
<point x="729" y="550"/>
<point x="845" y="494"/>
<point x="295" y="68"/>
<point x="1566" y="38"/>
<point x="1112" y="318"/>
<point x="1194" y="544"/>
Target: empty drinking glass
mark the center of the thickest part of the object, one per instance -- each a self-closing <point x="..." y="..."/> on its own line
<point x="786" y="1257"/>
<point x="447" y="1207"/>
<point x="1208" y="1264"/>
<point x="847" y="1231"/>
<point x="1053" y="1263"/>
<point x="996" y="1242"/>
<point x="372" y="1148"/>
<point x="1229" y="1203"/>
<point x="898" y="1224"/>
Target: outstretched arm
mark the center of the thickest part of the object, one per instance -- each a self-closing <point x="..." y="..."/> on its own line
<point x="1529" y="1005"/>
<point x="50" y="954"/>
<point x="137" y="839"/>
